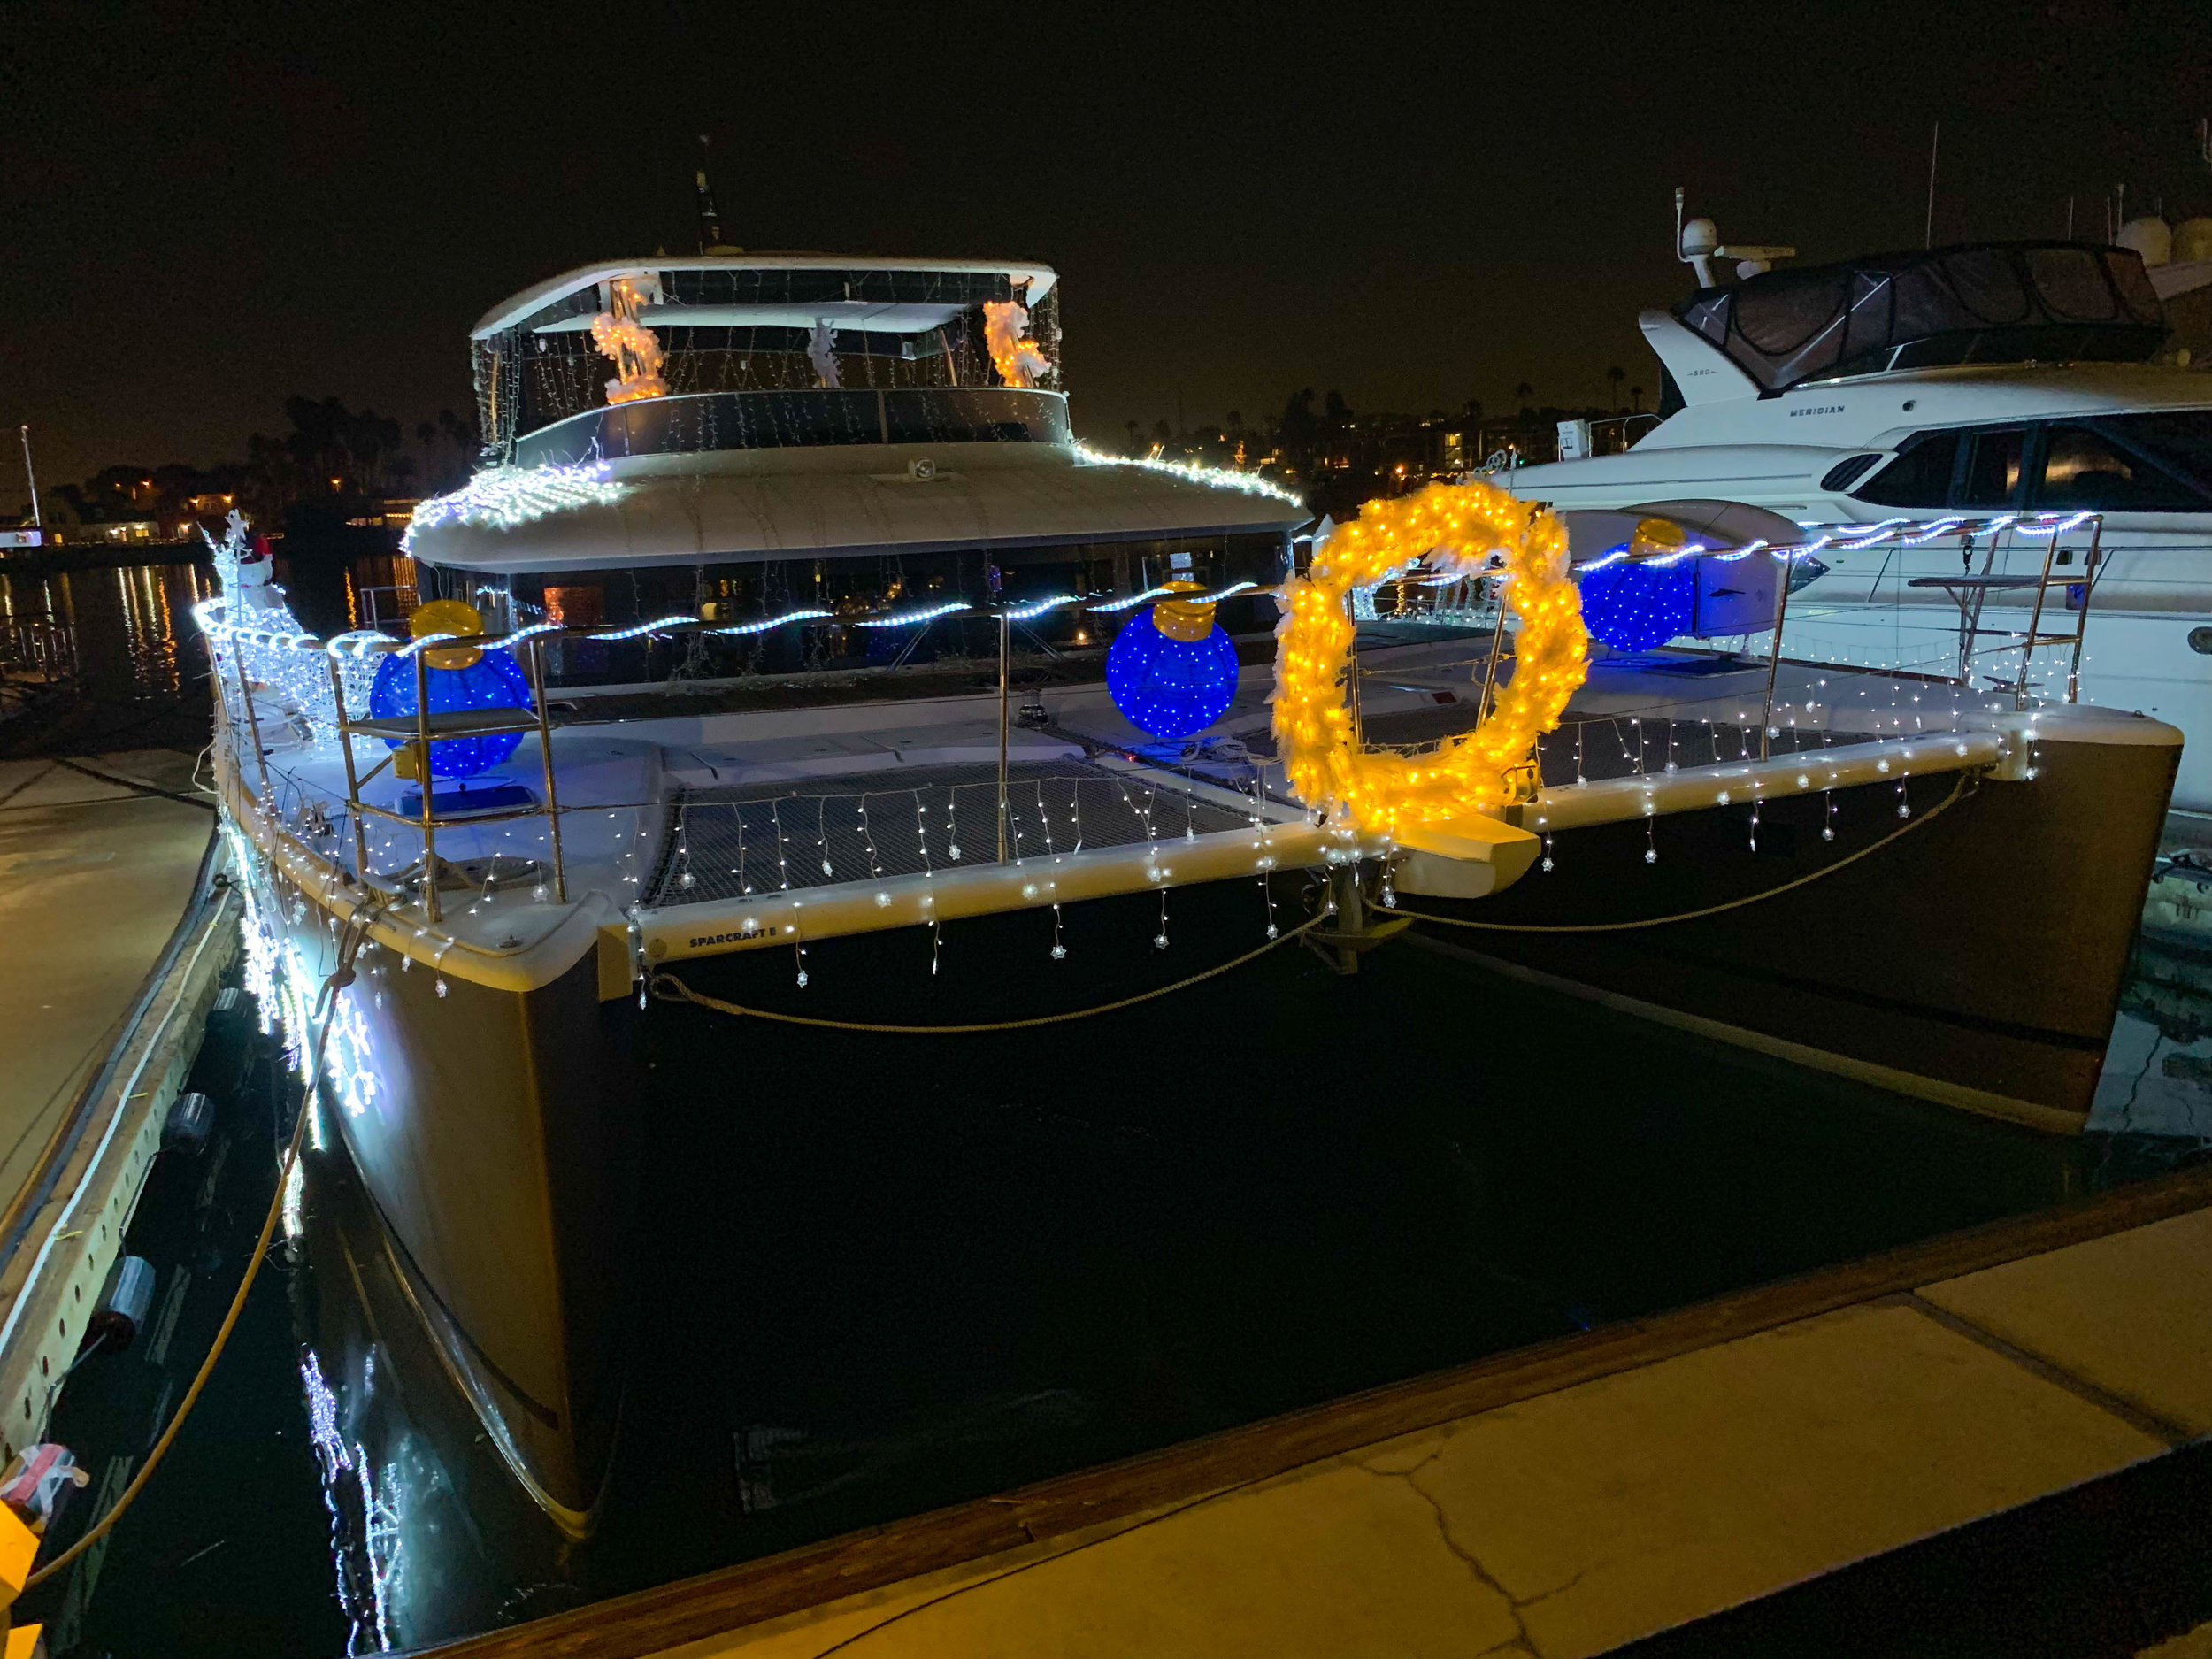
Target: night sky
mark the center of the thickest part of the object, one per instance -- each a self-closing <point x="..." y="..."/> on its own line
<point x="209" y="208"/>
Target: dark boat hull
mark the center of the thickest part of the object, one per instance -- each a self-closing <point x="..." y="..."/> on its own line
<point x="1976" y="958"/>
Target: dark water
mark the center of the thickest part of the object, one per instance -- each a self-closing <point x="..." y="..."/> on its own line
<point x="878" y="1275"/>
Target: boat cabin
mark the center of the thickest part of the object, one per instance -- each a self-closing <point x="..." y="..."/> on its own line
<point x="744" y="437"/>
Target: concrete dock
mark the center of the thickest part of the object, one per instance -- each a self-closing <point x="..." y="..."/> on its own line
<point x="1557" y="1501"/>
<point x="101" y="860"/>
<point x="94" y="871"/>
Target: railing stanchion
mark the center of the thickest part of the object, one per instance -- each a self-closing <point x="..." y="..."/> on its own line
<point x="2088" y="592"/>
<point x="1005" y="631"/>
<point x="1788" y="563"/>
<point x="1351" y="672"/>
<point x="353" y="777"/>
<point x="1490" y="668"/>
<point x="253" y="721"/>
<point x="2035" y="621"/>
<point x="422" y="779"/>
<point x="545" y="750"/>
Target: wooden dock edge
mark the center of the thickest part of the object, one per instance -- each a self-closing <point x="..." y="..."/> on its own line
<point x="1059" y="1513"/>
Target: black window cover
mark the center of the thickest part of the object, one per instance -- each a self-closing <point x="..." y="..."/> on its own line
<point x="1998" y="302"/>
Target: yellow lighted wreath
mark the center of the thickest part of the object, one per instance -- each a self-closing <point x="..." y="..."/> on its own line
<point x="1459" y="527"/>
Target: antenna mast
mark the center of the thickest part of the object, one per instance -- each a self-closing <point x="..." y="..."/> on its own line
<point x="709" y="218"/>
<point x="38" y="520"/>
<point x="1935" y="135"/>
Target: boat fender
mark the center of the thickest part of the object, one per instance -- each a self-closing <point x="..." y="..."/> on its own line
<point x="39" y="1480"/>
<point x="191" y="1115"/>
<point x="115" y="1324"/>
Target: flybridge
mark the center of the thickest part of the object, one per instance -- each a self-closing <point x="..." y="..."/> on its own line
<point x="805" y="328"/>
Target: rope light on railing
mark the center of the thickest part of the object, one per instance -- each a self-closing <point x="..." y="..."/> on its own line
<point x="1856" y="538"/>
<point x="1150" y="593"/>
<point x="1129" y="604"/>
<point x="355" y="642"/>
<point x="772" y="622"/>
<point x="2063" y="525"/>
<point x="1037" y="608"/>
<point x="646" y="627"/>
<point x="908" y="618"/>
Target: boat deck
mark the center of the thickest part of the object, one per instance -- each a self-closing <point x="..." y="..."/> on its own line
<point x="772" y="836"/>
<point x="684" y="809"/>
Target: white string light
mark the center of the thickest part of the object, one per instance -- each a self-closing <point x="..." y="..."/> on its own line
<point x="1190" y="471"/>
<point x="506" y="497"/>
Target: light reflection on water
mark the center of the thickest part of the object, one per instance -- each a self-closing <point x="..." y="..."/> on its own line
<point x="130" y="623"/>
<point x="2153" y="1103"/>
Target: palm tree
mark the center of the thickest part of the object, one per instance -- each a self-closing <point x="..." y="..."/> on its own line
<point x="1524" y="392"/>
<point x="1635" y="399"/>
<point x="1617" y="374"/>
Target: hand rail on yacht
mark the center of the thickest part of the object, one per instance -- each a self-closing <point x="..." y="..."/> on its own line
<point x="415" y="733"/>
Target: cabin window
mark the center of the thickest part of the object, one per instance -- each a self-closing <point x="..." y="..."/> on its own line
<point x="1919" y="476"/>
<point x="1992" y="479"/>
<point x="2083" y="469"/>
<point x="575" y="607"/>
<point x="2179" y="440"/>
<point x="1847" y="471"/>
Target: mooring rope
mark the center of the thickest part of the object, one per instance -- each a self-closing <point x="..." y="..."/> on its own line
<point x="668" y="987"/>
<point x="1930" y="816"/>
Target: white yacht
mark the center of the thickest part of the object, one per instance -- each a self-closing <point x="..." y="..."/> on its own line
<point x="1950" y="384"/>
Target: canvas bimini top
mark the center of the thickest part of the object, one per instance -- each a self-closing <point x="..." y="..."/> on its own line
<point x="1993" y="302"/>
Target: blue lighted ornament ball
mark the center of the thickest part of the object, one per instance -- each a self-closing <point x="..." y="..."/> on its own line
<point x="494" y="681"/>
<point x="1171" y="688"/>
<point x="1637" y="605"/>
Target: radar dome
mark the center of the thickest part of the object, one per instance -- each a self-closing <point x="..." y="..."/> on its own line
<point x="1699" y="237"/>
<point x="2149" y="237"/>
<point x="2193" y="241"/>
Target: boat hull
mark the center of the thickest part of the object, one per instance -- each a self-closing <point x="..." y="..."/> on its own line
<point x="494" y="1147"/>
<point x="1976" y="957"/>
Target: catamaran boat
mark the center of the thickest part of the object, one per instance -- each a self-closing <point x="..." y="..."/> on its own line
<point x="1946" y="389"/>
<point x="802" y="671"/>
